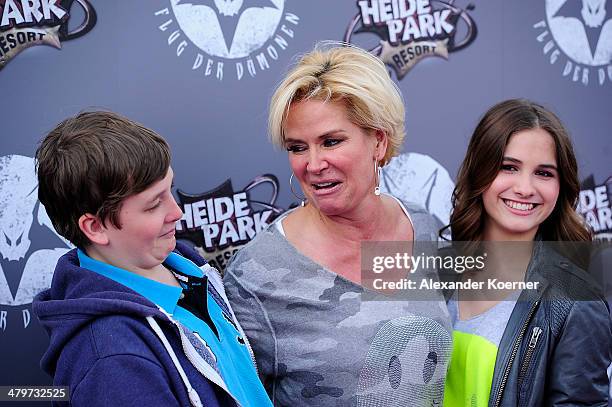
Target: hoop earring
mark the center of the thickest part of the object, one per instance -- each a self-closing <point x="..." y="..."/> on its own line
<point x="377" y="177"/>
<point x="302" y="199"/>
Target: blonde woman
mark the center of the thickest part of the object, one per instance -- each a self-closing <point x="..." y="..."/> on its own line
<point x="296" y="288"/>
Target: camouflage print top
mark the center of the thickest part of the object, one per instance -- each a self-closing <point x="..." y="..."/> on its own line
<point x="318" y="344"/>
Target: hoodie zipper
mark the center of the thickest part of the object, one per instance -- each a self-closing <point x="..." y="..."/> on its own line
<point x="197" y="361"/>
<point x="515" y="348"/>
<point x="535" y="336"/>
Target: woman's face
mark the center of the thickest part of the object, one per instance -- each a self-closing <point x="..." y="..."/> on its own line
<point x="332" y="158"/>
<point x="525" y="191"/>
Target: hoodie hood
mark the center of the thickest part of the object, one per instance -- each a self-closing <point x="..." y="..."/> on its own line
<point x="77" y="296"/>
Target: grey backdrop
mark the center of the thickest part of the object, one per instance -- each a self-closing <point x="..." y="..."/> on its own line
<point x="217" y="129"/>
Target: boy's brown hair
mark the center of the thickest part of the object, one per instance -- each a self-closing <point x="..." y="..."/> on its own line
<point x="90" y="163"/>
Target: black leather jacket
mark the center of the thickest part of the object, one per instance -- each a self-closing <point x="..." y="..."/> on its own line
<point x="558" y="343"/>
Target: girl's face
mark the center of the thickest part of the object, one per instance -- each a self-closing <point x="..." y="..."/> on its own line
<point x="525" y="191"/>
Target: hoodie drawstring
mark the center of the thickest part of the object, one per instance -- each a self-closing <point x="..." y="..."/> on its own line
<point x="194" y="398"/>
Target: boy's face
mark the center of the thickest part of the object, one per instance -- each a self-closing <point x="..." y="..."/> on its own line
<point x="147" y="222"/>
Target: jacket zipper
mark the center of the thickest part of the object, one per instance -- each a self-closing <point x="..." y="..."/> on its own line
<point x="246" y="341"/>
<point x="248" y="345"/>
<point x="515" y="348"/>
<point x="535" y="336"/>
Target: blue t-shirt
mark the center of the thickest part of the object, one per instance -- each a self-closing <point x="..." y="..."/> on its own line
<point x="220" y="334"/>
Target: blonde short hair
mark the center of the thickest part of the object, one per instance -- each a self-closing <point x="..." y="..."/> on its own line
<point x="342" y="73"/>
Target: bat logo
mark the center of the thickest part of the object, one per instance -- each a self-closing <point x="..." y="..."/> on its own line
<point x="229" y="13"/>
<point x="239" y="37"/>
<point x="29" y="246"/>
<point x="580" y="31"/>
<point x="591" y="14"/>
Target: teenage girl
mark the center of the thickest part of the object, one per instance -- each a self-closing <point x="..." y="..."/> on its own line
<point x="551" y="346"/>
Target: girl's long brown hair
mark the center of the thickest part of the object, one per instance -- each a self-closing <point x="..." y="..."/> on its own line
<point x="483" y="161"/>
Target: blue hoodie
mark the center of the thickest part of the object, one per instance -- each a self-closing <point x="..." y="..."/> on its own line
<point x="107" y="344"/>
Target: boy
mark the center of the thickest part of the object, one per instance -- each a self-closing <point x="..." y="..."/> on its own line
<point x="132" y="322"/>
